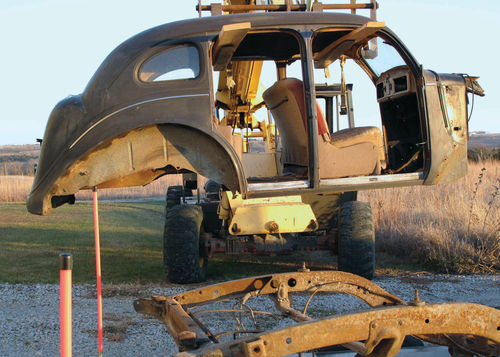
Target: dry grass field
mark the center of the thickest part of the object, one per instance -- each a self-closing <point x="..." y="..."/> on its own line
<point x="17" y="188"/>
<point x="14" y="188"/>
<point x="451" y="228"/>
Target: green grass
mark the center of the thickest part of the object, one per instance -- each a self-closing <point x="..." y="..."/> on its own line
<point x="131" y="247"/>
<point x="131" y="243"/>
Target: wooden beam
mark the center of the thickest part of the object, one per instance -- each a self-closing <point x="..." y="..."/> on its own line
<point x="229" y="39"/>
<point x="332" y="52"/>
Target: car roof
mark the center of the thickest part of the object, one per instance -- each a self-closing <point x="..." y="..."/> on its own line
<point x="258" y="19"/>
<point x="208" y="26"/>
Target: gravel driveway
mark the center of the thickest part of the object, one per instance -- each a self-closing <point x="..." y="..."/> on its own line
<point x="29" y="320"/>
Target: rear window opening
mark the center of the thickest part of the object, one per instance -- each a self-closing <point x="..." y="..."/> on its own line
<point x="180" y="62"/>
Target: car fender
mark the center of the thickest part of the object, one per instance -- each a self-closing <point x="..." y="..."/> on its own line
<point x="133" y="145"/>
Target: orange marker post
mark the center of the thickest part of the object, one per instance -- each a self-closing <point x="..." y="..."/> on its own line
<point x="98" y="271"/>
<point x="65" y="314"/>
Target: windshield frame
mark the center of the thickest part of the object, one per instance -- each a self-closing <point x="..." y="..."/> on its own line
<point x="392" y="40"/>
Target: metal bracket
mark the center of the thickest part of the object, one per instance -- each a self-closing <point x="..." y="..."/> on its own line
<point x="385" y="339"/>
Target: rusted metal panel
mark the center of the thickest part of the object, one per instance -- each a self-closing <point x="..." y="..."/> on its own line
<point x="330" y="281"/>
<point x="375" y="327"/>
<point x="137" y="158"/>
<point x="186" y="333"/>
<point x="378" y="332"/>
<point x="445" y="96"/>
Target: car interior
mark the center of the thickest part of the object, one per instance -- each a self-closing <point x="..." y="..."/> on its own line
<point x="261" y="104"/>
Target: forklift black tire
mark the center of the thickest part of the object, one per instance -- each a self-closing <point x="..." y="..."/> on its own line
<point x="356" y="239"/>
<point x="174" y="195"/>
<point x="184" y="259"/>
<point x="172" y="203"/>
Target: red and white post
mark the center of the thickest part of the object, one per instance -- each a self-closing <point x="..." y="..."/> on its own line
<point x="98" y="271"/>
<point x="65" y="297"/>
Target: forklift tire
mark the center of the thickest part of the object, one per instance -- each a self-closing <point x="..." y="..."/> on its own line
<point x="184" y="259"/>
<point x="174" y="195"/>
<point x="356" y="239"/>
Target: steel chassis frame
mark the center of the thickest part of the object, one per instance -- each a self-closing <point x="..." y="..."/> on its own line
<point x="466" y="328"/>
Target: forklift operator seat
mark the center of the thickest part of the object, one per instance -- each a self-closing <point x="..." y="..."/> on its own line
<point x="349" y="152"/>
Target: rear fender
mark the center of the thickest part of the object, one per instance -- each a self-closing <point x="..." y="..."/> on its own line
<point x="140" y="156"/>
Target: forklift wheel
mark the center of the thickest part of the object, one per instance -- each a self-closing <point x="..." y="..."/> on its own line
<point x="174" y="195"/>
<point x="184" y="260"/>
<point x="356" y="240"/>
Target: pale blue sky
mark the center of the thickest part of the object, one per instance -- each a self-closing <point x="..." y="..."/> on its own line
<point x="51" y="48"/>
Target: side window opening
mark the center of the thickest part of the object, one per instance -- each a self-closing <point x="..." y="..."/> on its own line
<point x="179" y="62"/>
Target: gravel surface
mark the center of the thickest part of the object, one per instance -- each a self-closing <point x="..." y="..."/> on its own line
<point x="29" y="319"/>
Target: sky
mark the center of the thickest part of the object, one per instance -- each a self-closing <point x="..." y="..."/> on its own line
<point x="51" y="48"/>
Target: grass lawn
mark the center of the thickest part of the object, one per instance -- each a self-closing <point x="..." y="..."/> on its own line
<point x="131" y="243"/>
<point x="131" y="247"/>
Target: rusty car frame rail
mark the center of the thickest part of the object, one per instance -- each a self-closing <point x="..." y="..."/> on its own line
<point x="468" y="328"/>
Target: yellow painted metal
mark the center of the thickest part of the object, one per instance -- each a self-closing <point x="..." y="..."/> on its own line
<point x="285" y="218"/>
<point x="239" y="90"/>
<point x="287" y="214"/>
<point x="249" y="72"/>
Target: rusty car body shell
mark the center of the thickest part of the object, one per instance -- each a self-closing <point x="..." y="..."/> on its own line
<point x="124" y="132"/>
